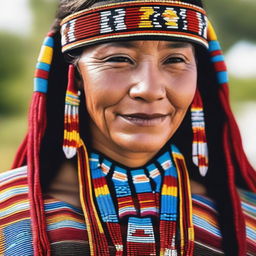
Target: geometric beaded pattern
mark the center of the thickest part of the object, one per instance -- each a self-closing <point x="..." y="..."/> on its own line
<point x="137" y="19"/>
<point x="123" y="192"/>
<point x="71" y="127"/>
<point x="169" y="195"/>
<point x="43" y="65"/>
<point x="101" y="191"/>
<point x="145" y="196"/>
<point x="140" y="237"/>
<point x="200" y="149"/>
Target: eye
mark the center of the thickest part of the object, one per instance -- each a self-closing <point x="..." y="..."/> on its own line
<point x="119" y="59"/>
<point x="174" y="60"/>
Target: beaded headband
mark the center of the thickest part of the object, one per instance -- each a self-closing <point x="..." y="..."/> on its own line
<point x="135" y="19"/>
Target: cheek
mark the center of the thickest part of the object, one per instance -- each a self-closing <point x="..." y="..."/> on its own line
<point x="102" y="91"/>
<point x="182" y="92"/>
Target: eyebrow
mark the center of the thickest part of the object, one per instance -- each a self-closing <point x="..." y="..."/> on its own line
<point x="178" y="45"/>
<point x="131" y="44"/>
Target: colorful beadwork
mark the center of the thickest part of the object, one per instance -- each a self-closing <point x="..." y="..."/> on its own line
<point x="199" y="144"/>
<point x="136" y="19"/>
<point x="147" y="183"/>
<point x="71" y="119"/>
<point x="43" y="65"/>
<point x="140" y="237"/>
<point x="16" y="233"/>
<point x="123" y="192"/>
<point x="146" y="198"/>
<point x="217" y="57"/>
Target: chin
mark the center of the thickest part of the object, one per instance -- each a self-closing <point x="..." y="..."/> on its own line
<point x="141" y="143"/>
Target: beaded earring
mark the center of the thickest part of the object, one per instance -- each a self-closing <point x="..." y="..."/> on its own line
<point x="199" y="144"/>
<point x="71" y="118"/>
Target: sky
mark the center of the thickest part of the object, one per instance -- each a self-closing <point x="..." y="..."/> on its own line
<point x="15" y="16"/>
<point x="241" y="60"/>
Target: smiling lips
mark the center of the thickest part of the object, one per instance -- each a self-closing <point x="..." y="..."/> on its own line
<point x="143" y="119"/>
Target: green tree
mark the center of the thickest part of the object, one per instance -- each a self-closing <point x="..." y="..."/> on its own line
<point x="234" y="20"/>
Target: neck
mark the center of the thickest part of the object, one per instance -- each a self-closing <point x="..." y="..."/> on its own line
<point x="129" y="159"/>
<point x="117" y="153"/>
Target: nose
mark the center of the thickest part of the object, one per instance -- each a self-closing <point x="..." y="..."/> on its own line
<point x="149" y="85"/>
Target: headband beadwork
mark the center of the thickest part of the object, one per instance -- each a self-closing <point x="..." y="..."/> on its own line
<point x="135" y="19"/>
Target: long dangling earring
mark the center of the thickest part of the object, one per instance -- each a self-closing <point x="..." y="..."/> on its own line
<point x="71" y="119"/>
<point x="199" y="144"/>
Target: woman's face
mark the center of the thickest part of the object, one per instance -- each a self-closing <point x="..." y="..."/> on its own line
<point x="137" y="92"/>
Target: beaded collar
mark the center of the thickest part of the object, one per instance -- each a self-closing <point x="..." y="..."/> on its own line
<point x="150" y="201"/>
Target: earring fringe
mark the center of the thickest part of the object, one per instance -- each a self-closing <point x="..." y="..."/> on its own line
<point x="71" y="118"/>
<point x="199" y="145"/>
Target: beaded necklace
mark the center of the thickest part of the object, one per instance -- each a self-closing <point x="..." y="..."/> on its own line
<point x="144" y="211"/>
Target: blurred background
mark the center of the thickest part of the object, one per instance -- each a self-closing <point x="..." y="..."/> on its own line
<point x="24" y="23"/>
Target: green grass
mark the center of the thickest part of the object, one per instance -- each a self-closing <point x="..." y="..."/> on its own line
<point x="242" y="89"/>
<point x="12" y="132"/>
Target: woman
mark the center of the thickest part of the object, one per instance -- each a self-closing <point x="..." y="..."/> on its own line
<point x="142" y="172"/>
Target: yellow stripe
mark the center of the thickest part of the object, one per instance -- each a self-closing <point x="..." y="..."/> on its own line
<point x="74" y="135"/>
<point x="169" y="190"/>
<point x="14" y="204"/>
<point x="211" y="32"/>
<point x="196" y="108"/>
<point x="82" y="199"/>
<point x="13" y="187"/>
<point x="190" y="231"/>
<point x="63" y="217"/>
<point x="207" y="217"/>
<point x="180" y="209"/>
<point x="13" y="222"/>
<point x="45" y="54"/>
<point x="101" y="191"/>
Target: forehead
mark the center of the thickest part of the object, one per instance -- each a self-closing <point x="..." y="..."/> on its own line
<point x="140" y="44"/>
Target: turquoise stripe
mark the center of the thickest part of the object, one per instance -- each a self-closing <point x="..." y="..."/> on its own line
<point x="94" y="161"/>
<point x="249" y="208"/>
<point x="202" y="199"/>
<point x="141" y="187"/>
<point x="214" y="46"/>
<point x="14" y="191"/>
<point x="48" y="207"/>
<point x="66" y="224"/>
<point x="43" y="66"/>
<point x="18" y="239"/>
<point x="157" y="179"/>
<point x="105" y="203"/>
<point x="222" y="77"/>
<point x="250" y="233"/>
<point x="40" y="85"/>
<point x="169" y="204"/>
<point x="199" y="222"/>
<point x="49" y="41"/>
<point x="217" y="58"/>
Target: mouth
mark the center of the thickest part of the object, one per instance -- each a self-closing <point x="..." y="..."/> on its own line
<point x="144" y="119"/>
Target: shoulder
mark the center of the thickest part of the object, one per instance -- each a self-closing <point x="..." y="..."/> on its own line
<point x="13" y="193"/>
<point x="15" y="215"/>
<point x="248" y="201"/>
<point x="248" y="204"/>
<point x="13" y="179"/>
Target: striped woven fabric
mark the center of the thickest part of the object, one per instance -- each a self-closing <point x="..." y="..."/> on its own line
<point x="207" y="233"/>
<point x="67" y="231"/>
<point x="66" y="228"/>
